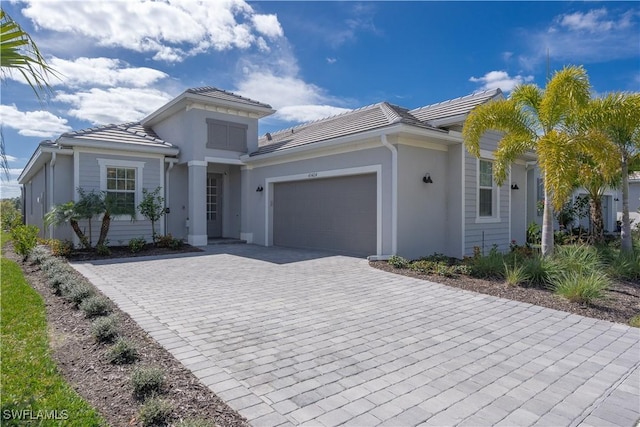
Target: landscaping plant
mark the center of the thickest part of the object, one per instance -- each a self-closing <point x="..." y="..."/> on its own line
<point x="147" y="381"/>
<point x="155" y="412"/>
<point x="25" y="239"/>
<point x="123" y="352"/>
<point x="152" y="208"/>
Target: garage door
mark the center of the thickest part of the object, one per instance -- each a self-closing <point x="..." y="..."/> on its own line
<point x="329" y="213"/>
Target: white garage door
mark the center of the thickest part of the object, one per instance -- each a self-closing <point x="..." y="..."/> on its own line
<point x="337" y="214"/>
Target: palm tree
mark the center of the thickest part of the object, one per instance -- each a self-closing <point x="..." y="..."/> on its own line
<point x="534" y="119"/>
<point x="67" y="212"/>
<point x="617" y="115"/>
<point x="19" y="52"/>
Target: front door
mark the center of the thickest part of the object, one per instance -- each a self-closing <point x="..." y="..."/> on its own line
<point x="214" y="205"/>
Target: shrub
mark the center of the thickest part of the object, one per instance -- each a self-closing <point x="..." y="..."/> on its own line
<point x="582" y="288"/>
<point x="577" y="258"/>
<point x="168" y="241"/>
<point x="490" y="266"/>
<point x="137" y="244"/>
<point x="423" y="266"/>
<point x="38" y="255"/>
<point x="515" y="274"/>
<point x="635" y="321"/>
<point x="123" y="352"/>
<point x="61" y="281"/>
<point x="398" y="262"/>
<point x="103" y="250"/>
<point x="155" y="412"/>
<point x="539" y="271"/>
<point x="25" y="238"/>
<point x="96" y="305"/>
<point x="76" y="292"/>
<point x="105" y="329"/>
<point x="626" y="266"/>
<point x="147" y="381"/>
<point x="50" y="262"/>
<point x="60" y="248"/>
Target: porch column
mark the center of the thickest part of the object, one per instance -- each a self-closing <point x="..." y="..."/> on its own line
<point x="197" y="235"/>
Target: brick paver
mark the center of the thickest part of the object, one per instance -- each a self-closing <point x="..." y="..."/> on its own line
<point x="292" y="337"/>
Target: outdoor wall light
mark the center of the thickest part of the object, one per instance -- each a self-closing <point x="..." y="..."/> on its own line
<point x="427" y="179"/>
<point x="259" y="189"/>
<point x="515" y="187"/>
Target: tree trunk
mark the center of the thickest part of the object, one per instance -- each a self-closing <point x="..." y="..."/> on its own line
<point x="597" y="222"/>
<point x="626" y="245"/>
<point x="76" y="229"/>
<point x="104" y="229"/>
<point x="547" y="224"/>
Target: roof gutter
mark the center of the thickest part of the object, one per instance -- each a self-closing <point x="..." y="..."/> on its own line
<point x="130" y="146"/>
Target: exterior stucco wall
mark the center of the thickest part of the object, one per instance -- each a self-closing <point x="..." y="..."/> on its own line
<point x="479" y="232"/>
<point x="455" y="158"/>
<point x="177" y="201"/>
<point x="122" y="229"/>
<point x="422" y="208"/>
<point x="255" y="204"/>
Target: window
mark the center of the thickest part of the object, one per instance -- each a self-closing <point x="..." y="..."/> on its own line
<point x="122" y="180"/>
<point x="486" y="190"/>
<point x="226" y="135"/>
<point x="121" y="187"/>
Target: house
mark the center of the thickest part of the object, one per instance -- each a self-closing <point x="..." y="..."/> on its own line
<point x="375" y="181"/>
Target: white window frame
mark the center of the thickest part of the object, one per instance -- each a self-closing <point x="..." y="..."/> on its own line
<point x="495" y="193"/>
<point x="130" y="164"/>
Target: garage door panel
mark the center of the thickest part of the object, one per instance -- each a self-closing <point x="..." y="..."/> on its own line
<point x="331" y="213"/>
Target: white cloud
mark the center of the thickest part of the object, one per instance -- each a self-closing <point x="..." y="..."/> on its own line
<point x="308" y="113"/>
<point x="41" y="124"/>
<point x="10" y="189"/>
<point x="594" y="36"/>
<point x="500" y="79"/>
<point x="331" y="60"/>
<point x="170" y="30"/>
<point x="11" y="158"/>
<point x="103" y="72"/>
<point x="114" y="105"/>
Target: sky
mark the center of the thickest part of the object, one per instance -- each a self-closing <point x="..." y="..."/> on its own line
<point x="117" y="61"/>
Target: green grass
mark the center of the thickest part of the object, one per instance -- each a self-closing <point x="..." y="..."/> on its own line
<point x="31" y="385"/>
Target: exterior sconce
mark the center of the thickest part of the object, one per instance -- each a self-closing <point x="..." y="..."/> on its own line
<point x="427" y="179"/>
<point x="259" y="189"/>
<point x="515" y="187"/>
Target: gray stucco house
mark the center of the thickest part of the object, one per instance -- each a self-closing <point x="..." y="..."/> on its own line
<point x="376" y="181"/>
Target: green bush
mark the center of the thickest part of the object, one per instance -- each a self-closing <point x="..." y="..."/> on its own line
<point x="577" y="258"/>
<point x="398" y="261"/>
<point x="76" y="293"/>
<point x="96" y="305"/>
<point x="61" y="281"/>
<point x="155" y="412"/>
<point x="38" y="255"/>
<point x="168" y="241"/>
<point x="105" y="329"/>
<point x="61" y="248"/>
<point x="635" y="321"/>
<point x="626" y="266"/>
<point x="137" y="244"/>
<point x="123" y="352"/>
<point x="10" y="216"/>
<point x="581" y="288"/>
<point x="25" y="239"/>
<point x="539" y="271"/>
<point x="515" y="274"/>
<point x="49" y="263"/>
<point x="147" y="381"/>
<point x="103" y="250"/>
<point x="487" y="267"/>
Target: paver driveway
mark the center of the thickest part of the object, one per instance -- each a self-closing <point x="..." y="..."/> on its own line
<point x="299" y="337"/>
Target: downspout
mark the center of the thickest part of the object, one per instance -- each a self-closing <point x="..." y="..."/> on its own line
<point x="52" y="166"/>
<point x="394" y="193"/>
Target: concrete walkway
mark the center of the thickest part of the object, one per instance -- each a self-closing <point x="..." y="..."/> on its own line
<point x="298" y="337"/>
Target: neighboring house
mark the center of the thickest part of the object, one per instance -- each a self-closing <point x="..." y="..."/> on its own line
<point x="379" y="180"/>
<point x="634" y="200"/>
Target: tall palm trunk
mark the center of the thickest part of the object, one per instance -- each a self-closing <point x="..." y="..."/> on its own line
<point x="104" y="229"/>
<point x="597" y="221"/>
<point x="626" y="245"/>
<point x="83" y="238"/>
<point x="547" y="223"/>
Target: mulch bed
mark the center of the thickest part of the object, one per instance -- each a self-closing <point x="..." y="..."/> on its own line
<point x="622" y="301"/>
<point x="107" y="387"/>
<point x="125" y="252"/>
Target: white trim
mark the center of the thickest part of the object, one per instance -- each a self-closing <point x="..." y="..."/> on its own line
<point x="197" y="163"/>
<point x="118" y="153"/>
<point x="495" y="190"/>
<point x="510" y="211"/>
<point x="197" y="239"/>
<point x="422" y="144"/>
<point x="127" y="147"/>
<point x="52" y="165"/>
<point x="268" y="190"/>
<point x="394" y="195"/>
<point x="464" y="195"/>
<point x="161" y="226"/>
<point x="222" y="160"/>
<point x="103" y="164"/>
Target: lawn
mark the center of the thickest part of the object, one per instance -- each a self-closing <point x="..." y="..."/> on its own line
<point x="32" y="391"/>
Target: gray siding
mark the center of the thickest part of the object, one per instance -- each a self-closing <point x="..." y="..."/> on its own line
<point x="484" y="234"/>
<point x="122" y="229"/>
<point x="37" y="204"/>
<point x="63" y="192"/>
<point x="422" y="208"/>
<point x="519" y="204"/>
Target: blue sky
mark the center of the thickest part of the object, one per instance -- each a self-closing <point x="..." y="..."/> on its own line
<point x="120" y="60"/>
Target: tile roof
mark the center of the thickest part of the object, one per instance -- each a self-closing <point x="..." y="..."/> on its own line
<point x="216" y="93"/>
<point x="126" y="133"/>
<point x="363" y="119"/>
<point x="454" y="107"/>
